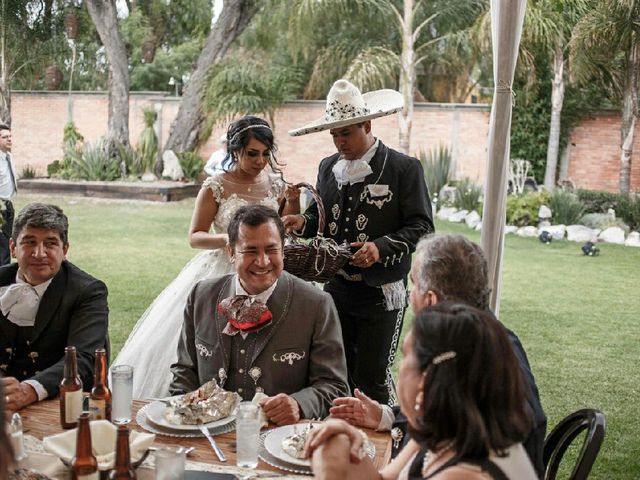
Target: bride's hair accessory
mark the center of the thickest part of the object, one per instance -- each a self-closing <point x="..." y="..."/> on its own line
<point x="243" y="314"/>
<point x="443" y="357"/>
<point x="258" y="125"/>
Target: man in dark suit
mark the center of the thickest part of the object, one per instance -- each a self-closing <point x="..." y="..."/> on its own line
<point x="376" y="200"/>
<point x="447" y="268"/>
<point x="46" y="304"/>
<point x="262" y="330"/>
<point x="8" y="189"/>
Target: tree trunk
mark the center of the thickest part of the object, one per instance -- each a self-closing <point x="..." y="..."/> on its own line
<point x="185" y="129"/>
<point x="557" y="99"/>
<point x="629" y="117"/>
<point x="104" y="16"/>
<point x="407" y="78"/>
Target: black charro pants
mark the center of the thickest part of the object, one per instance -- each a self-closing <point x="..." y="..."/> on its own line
<point x="370" y="335"/>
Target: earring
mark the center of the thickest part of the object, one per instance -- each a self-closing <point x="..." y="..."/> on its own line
<point x="419" y="399"/>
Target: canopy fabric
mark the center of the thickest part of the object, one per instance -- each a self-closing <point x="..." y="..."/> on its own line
<point x="507" y="17"/>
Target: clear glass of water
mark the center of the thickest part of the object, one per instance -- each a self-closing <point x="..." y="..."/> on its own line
<point x="170" y="462"/>
<point x="122" y="393"/>
<point x="247" y="431"/>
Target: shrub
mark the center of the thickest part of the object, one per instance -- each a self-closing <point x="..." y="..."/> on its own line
<point x="132" y="160"/>
<point x="148" y="142"/>
<point x="468" y="196"/>
<point x="54" y="168"/>
<point x="191" y="163"/>
<point x="522" y="210"/>
<point x="565" y="207"/>
<point x="92" y="163"/>
<point x="629" y="210"/>
<point x="437" y="167"/>
<point x="28" y="172"/>
<point x="598" y="202"/>
<point x="602" y="221"/>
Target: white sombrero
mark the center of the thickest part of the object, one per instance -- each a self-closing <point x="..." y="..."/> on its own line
<point x="346" y="106"/>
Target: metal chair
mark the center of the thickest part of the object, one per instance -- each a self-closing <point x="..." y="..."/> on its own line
<point x="557" y="442"/>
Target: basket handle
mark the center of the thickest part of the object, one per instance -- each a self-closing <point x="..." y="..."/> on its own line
<point x="316" y="197"/>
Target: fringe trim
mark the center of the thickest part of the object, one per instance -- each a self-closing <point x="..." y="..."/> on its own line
<point x="395" y="295"/>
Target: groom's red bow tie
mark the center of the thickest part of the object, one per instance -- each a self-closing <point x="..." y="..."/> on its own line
<point x="243" y="314"/>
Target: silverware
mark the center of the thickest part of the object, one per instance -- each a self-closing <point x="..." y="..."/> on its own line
<point x="251" y="476"/>
<point x="212" y="442"/>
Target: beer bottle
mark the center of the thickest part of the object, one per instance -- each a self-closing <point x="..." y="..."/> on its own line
<point x="100" y="398"/>
<point x="84" y="465"/>
<point x="70" y="390"/>
<point x="123" y="469"/>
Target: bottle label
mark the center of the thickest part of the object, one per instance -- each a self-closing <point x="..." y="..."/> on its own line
<point x="72" y="406"/>
<point x="91" y="476"/>
<point x="97" y="409"/>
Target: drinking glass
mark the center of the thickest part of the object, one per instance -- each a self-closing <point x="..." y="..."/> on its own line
<point x="247" y="432"/>
<point x="122" y="393"/>
<point x="170" y="463"/>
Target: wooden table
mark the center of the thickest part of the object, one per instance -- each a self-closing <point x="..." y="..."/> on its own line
<point x="43" y="419"/>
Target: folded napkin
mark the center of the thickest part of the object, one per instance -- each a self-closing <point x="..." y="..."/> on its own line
<point x="264" y="421"/>
<point x="103" y="441"/>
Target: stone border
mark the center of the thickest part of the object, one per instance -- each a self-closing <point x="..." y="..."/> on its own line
<point x="162" y="191"/>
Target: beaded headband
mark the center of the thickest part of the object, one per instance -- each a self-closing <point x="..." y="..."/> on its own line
<point x="443" y="357"/>
<point x="249" y="128"/>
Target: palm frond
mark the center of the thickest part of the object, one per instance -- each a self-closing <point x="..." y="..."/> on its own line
<point x="374" y="68"/>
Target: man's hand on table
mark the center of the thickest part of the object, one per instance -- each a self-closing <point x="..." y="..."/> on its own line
<point x="17" y="395"/>
<point x="360" y="410"/>
<point x="281" y="409"/>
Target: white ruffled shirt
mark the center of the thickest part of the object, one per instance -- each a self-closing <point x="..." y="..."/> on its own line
<point x="19" y="302"/>
<point x="354" y="171"/>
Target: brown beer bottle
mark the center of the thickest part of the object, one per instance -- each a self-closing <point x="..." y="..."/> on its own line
<point x="123" y="467"/>
<point x="70" y="390"/>
<point x="100" y="398"/>
<point x="84" y="465"/>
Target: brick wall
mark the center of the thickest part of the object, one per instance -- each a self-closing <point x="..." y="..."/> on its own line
<point x="594" y="155"/>
<point x="39" y="118"/>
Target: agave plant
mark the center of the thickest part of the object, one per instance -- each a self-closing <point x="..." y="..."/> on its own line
<point x="437" y="168"/>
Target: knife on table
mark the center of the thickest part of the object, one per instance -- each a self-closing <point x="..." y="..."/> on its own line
<point x="212" y="442"/>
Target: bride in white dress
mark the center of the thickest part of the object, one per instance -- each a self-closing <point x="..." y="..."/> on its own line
<point x="251" y="176"/>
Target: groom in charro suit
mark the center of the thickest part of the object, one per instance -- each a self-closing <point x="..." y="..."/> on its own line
<point x="376" y="200"/>
<point x="46" y="304"/>
<point x="262" y="329"/>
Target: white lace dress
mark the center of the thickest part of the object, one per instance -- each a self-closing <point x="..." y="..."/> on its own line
<point x="152" y="344"/>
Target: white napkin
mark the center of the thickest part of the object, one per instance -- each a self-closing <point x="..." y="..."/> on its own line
<point x="264" y="421"/>
<point x="103" y="441"/>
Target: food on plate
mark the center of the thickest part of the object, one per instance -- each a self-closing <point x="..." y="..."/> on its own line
<point x="293" y="445"/>
<point x="207" y="404"/>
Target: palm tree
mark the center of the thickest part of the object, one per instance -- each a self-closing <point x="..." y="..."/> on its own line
<point x="605" y="47"/>
<point x="548" y="26"/>
<point x="409" y="34"/>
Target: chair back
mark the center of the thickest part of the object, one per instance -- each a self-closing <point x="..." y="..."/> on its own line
<point x="557" y="442"/>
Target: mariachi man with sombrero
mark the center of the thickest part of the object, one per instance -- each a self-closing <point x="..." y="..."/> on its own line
<point x="375" y="199"/>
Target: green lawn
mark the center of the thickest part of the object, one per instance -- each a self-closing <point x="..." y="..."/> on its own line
<point x="578" y="317"/>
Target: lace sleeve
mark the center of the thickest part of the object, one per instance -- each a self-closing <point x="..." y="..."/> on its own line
<point x="214" y="182"/>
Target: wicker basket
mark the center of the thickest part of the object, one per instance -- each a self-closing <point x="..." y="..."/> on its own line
<point x="321" y="258"/>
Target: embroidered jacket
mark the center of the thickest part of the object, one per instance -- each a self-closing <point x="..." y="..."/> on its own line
<point x="300" y="353"/>
<point x="391" y="208"/>
<point x="73" y="311"/>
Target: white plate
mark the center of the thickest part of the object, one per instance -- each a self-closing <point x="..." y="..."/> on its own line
<point x="156" y="413"/>
<point x="273" y="444"/>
